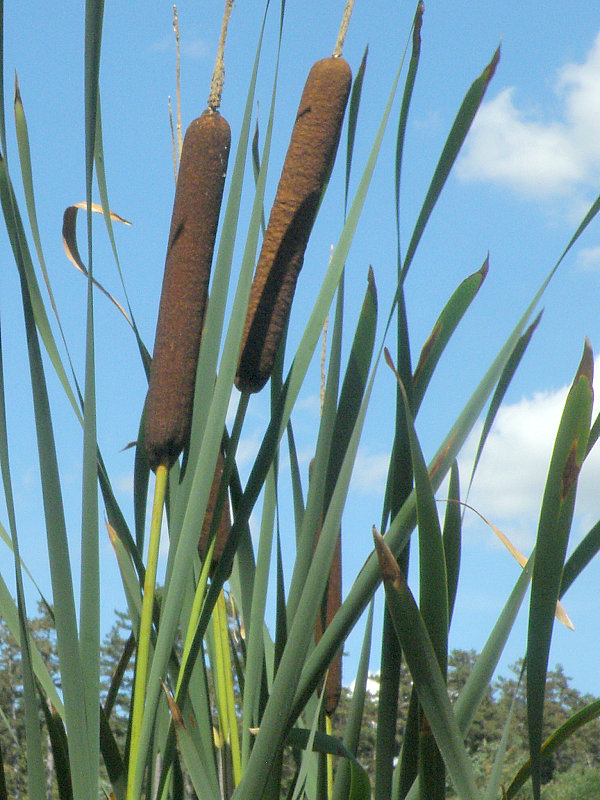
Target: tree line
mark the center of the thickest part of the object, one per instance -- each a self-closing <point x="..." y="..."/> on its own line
<point x="570" y="773"/>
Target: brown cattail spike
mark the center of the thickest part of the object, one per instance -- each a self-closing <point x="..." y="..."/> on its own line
<point x="306" y="169"/>
<point x="224" y="528"/>
<point x="185" y="287"/>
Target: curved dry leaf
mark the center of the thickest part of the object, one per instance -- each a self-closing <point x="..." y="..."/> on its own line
<point x="69" y="237"/>
<point x="173" y="707"/>
<point x="560" y="613"/>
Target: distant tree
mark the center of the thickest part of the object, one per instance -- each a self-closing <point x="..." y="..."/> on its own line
<point x="117" y="643"/>
<point x="12" y="734"/>
<point x="580" y="752"/>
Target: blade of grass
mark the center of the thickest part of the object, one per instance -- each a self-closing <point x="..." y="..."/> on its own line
<point x="580" y="558"/>
<point x="404" y="109"/>
<point x="64" y="602"/>
<point x="307" y="777"/>
<point x="353" y="107"/>
<point x="137" y="753"/>
<point x="399" y="479"/>
<point x="553" y="534"/>
<point x="89" y="634"/>
<point x="316" y="498"/>
<point x="422" y="661"/>
<point x="192" y="757"/>
<point x="352" y="728"/>
<point x="503" y="384"/>
<point x="433" y="580"/>
<point x="224" y="689"/>
<point x="337" y="424"/>
<point x="492" y="789"/>
<point x="456" y="137"/>
<point x="33" y="744"/>
<point x="103" y="191"/>
<point x="9" y="613"/>
<point x="452" y="537"/>
<point x="254" y="639"/>
<point x="2" y="119"/>
<point x="60" y="754"/>
<point x="113" y="761"/>
<point x="443" y="329"/>
<point x="433" y="595"/>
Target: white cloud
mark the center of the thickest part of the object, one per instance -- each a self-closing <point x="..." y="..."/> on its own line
<point x="247" y="450"/>
<point x="372" y="684"/>
<point x="194" y="49"/>
<point x="509" y="483"/>
<point x="532" y="154"/>
<point x="589" y="259"/>
<point x="370" y="472"/>
<point x="124" y="484"/>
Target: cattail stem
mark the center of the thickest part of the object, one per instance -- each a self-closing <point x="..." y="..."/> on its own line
<point x="194" y="617"/>
<point x="218" y="77"/>
<point x="192" y="631"/>
<point x="329" y="732"/>
<point x="143" y="648"/>
<point x="225" y="697"/>
<point x="339" y="45"/>
<point x="173" y="143"/>
<point x="177" y="79"/>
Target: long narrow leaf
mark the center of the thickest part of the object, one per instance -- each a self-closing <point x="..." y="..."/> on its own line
<point x="456" y="137"/>
<point x="503" y="384"/>
<point x="64" y="601"/>
<point x="443" y="329"/>
<point x="355" y="714"/>
<point x="552" y="539"/>
<point x="428" y="679"/>
<point x="35" y="769"/>
<point x="404" y="109"/>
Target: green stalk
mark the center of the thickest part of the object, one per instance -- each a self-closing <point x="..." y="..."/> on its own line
<point x="139" y="692"/>
<point x="329" y="732"/>
<point x="226" y="703"/>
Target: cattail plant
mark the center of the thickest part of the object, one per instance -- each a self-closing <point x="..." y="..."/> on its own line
<point x="284" y="664"/>
<point x="306" y="169"/>
<point x="170" y="400"/>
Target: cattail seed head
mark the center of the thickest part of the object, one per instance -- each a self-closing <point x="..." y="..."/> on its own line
<point x="192" y="236"/>
<point x="224" y="528"/>
<point x="306" y="169"/>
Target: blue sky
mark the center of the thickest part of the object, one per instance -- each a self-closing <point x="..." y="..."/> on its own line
<point x="529" y="170"/>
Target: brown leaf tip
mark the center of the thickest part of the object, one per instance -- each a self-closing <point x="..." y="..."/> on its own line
<point x="390" y="571"/>
<point x="390" y="361"/>
<point x="371" y="278"/>
<point x="418" y="23"/>
<point x="17" y="90"/>
<point x="491" y="67"/>
<point x="586" y="365"/>
<point x="173" y="707"/>
<point x="485" y="267"/>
